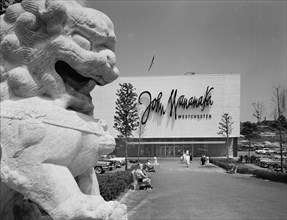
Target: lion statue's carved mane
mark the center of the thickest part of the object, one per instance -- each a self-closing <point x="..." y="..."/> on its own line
<point x="53" y="53"/>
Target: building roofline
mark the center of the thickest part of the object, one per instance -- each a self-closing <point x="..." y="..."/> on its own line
<point x="194" y="75"/>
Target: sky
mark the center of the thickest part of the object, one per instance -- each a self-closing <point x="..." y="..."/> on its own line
<point x="205" y="37"/>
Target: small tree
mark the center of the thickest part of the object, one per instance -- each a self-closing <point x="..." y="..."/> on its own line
<point x="278" y="99"/>
<point x="126" y="119"/>
<point x="250" y="132"/>
<point x="225" y="128"/>
<point x="140" y="132"/>
<point x="273" y="114"/>
<point x="258" y="110"/>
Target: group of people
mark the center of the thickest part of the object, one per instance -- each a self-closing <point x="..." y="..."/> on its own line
<point x="204" y="160"/>
<point x="149" y="167"/>
<point x="186" y="158"/>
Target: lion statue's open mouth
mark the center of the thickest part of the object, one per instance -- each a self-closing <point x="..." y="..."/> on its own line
<point x="75" y="81"/>
<point x="72" y="78"/>
<point x="62" y="54"/>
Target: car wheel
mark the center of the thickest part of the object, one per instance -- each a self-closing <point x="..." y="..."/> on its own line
<point x="98" y="170"/>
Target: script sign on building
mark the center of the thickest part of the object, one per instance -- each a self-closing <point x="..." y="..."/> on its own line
<point x="178" y="106"/>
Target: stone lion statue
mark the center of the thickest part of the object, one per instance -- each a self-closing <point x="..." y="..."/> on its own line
<point x="53" y="53"/>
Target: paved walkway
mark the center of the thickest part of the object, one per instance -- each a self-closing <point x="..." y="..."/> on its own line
<point x="206" y="193"/>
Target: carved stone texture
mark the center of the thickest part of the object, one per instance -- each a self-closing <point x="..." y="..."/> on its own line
<point x="53" y="53"/>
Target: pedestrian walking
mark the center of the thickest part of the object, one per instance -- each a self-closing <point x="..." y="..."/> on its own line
<point x="187" y="158"/>
<point x="191" y="157"/>
<point x="206" y="160"/>
<point x="202" y="160"/>
<point x="184" y="157"/>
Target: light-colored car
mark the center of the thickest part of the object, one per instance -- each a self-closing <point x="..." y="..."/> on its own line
<point x="264" y="151"/>
<point x="112" y="157"/>
<point x="261" y="151"/>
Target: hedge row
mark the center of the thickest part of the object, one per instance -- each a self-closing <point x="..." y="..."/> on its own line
<point x="112" y="185"/>
<point x="271" y="175"/>
<point x="259" y="173"/>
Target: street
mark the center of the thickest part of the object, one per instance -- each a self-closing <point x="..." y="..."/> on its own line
<point x="205" y="193"/>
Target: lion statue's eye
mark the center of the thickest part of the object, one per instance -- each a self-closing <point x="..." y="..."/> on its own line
<point x="82" y="42"/>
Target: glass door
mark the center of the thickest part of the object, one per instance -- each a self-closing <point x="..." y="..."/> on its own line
<point x="178" y="151"/>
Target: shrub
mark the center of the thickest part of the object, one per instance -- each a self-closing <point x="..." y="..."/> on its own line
<point x="223" y="163"/>
<point x="112" y="185"/>
<point x="247" y="159"/>
<point x="245" y="169"/>
<point x="273" y="176"/>
<point x="253" y="158"/>
<point x="259" y="173"/>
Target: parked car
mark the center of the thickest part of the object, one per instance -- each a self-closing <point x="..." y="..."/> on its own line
<point x="114" y="162"/>
<point x="278" y="157"/>
<point x="267" y="163"/>
<point x="278" y="151"/>
<point x="111" y="157"/>
<point x="270" y="151"/>
<point x="102" y="166"/>
<point x="121" y="159"/>
<point x="265" y="151"/>
<point x="261" y="151"/>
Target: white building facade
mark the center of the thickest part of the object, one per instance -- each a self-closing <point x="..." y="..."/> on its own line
<point x="178" y="113"/>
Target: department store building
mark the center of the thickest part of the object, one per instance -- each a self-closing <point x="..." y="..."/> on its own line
<point x="177" y="113"/>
